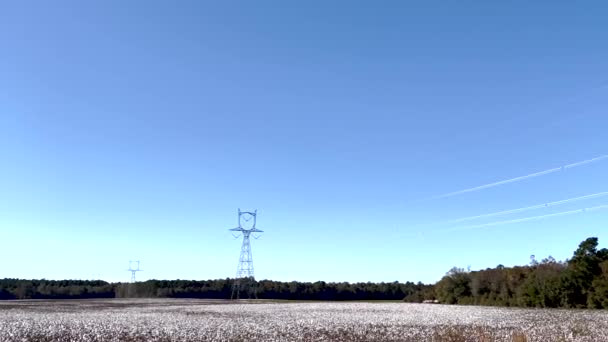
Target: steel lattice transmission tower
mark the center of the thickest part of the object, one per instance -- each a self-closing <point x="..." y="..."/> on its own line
<point x="245" y="279"/>
<point x="133" y="270"/>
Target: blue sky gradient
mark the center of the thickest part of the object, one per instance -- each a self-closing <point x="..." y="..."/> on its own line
<point x="134" y="130"/>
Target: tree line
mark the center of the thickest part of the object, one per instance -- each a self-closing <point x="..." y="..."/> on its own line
<point x="579" y="282"/>
<point x="210" y="289"/>
<point x="55" y="289"/>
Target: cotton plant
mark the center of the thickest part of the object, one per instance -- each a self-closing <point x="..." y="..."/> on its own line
<point x="196" y="320"/>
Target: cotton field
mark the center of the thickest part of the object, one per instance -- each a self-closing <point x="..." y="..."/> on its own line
<point x="200" y="320"/>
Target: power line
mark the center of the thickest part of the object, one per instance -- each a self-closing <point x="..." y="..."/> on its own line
<point x="532" y="207"/>
<point x="517" y="179"/>
<point x="569" y="212"/>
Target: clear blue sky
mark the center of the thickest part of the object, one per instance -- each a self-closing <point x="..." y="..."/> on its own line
<point x="135" y="129"/>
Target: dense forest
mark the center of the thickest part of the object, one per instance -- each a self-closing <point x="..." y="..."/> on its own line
<point x="268" y="289"/>
<point x="219" y="289"/>
<point x="55" y="289"/>
<point x="580" y="282"/>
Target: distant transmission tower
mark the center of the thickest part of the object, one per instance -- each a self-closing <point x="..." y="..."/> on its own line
<point x="245" y="280"/>
<point x="133" y="270"/>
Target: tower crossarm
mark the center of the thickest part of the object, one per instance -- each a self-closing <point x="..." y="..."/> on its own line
<point x="252" y="230"/>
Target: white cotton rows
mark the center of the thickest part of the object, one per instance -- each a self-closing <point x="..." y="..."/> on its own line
<point x="192" y="320"/>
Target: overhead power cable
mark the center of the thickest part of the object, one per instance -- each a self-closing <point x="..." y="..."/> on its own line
<point x="517" y="179"/>
<point x="532" y="207"/>
<point x="525" y="219"/>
